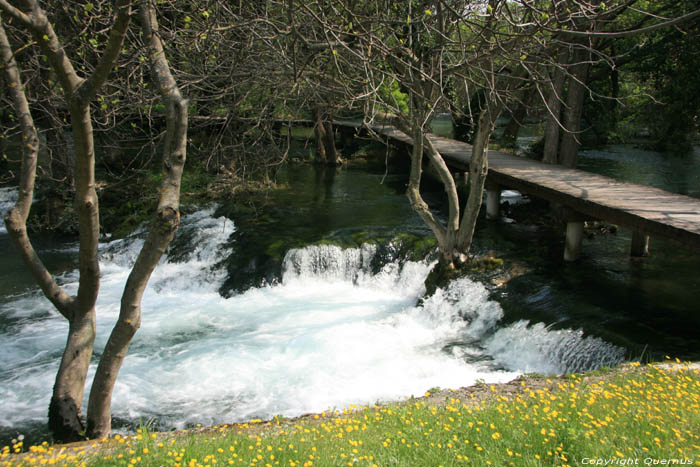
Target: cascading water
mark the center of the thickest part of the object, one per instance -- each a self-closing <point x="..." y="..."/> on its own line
<point x="535" y="348"/>
<point x="339" y="327"/>
<point x="8" y="197"/>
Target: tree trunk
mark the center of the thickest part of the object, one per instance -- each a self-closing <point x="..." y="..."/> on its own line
<point x="320" y="135"/>
<point x="332" y="157"/>
<point x="478" y="169"/>
<point x="64" y="410"/>
<point x="447" y="247"/>
<point x="160" y="235"/>
<point x="416" y="200"/>
<point x="575" y="97"/>
<point x="65" y="420"/>
<point x="553" y="102"/>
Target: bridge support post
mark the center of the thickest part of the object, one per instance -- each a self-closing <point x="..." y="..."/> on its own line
<point x="640" y="244"/>
<point x="493" y="201"/>
<point x="574" y="236"/>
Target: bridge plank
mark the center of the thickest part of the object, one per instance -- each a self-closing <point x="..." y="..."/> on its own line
<point x="651" y="210"/>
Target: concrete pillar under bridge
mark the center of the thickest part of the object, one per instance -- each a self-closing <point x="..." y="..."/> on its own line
<point x="574" y="238"/>
<point x="574" y="235"/>
<point x="575" y="223"/>
<point x="574" y="231"/>
<point x="493" y="200"/>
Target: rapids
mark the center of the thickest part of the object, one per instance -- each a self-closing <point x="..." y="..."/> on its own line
<point x="338" y="327"/>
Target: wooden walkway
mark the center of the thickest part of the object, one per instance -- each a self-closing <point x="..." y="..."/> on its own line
<point x="645" y="210"/>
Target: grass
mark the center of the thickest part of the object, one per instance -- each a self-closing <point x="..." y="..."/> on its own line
<point x="650" y="414"/>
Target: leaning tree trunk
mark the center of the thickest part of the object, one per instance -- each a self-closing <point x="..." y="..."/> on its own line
<point x="417" y="202"/>
<point x="65" y="419"/>
<point x="478" y="169"/>
<point x="161" y="232"/>
<point x="447" y="246"/>
<point x="64" y="409"/>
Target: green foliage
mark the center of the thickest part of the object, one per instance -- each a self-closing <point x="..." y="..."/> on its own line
<point x="601" y="113"/>
<point x="395" y="97"/>
<point x="661" y="84"/>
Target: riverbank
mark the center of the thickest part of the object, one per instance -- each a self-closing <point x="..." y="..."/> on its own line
<point x="631" y="415"/>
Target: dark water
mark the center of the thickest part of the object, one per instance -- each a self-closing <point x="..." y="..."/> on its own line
<point x="650" y="306"/>
<point x="677" y="173"/>
<point x="316" y="204"/>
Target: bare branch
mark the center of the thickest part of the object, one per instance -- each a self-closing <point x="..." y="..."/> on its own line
<point x="633" y="32"/>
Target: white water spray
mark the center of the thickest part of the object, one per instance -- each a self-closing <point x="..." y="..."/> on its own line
<point x="331" y="333"/>
<point x="8" y="198"/>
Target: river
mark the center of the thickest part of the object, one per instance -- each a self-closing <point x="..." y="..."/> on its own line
<point x="307" y="302"/>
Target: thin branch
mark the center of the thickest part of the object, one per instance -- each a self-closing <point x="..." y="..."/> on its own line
<point x="633" y="32"/>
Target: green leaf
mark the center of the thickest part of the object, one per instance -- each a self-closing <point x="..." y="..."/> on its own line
<point x="88" y="7"/>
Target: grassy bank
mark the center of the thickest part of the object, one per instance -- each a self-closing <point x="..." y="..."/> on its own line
<point x="634" y="415"/>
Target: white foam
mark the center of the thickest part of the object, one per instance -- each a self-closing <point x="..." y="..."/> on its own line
<point x="8" y="198"/>
<point x="331" y="333"/>
<point x="513" y="197"/>
<point x="535" y="348"/>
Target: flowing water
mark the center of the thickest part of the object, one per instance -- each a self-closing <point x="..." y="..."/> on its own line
<point x="308" y="302"/>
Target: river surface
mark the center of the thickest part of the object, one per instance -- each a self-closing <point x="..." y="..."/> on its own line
<point x="308" y="302"/>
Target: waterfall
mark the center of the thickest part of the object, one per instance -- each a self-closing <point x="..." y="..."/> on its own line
<point x="341" y="327"/>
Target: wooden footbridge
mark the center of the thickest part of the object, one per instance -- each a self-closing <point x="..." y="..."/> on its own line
<point x="585" y="196"/>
